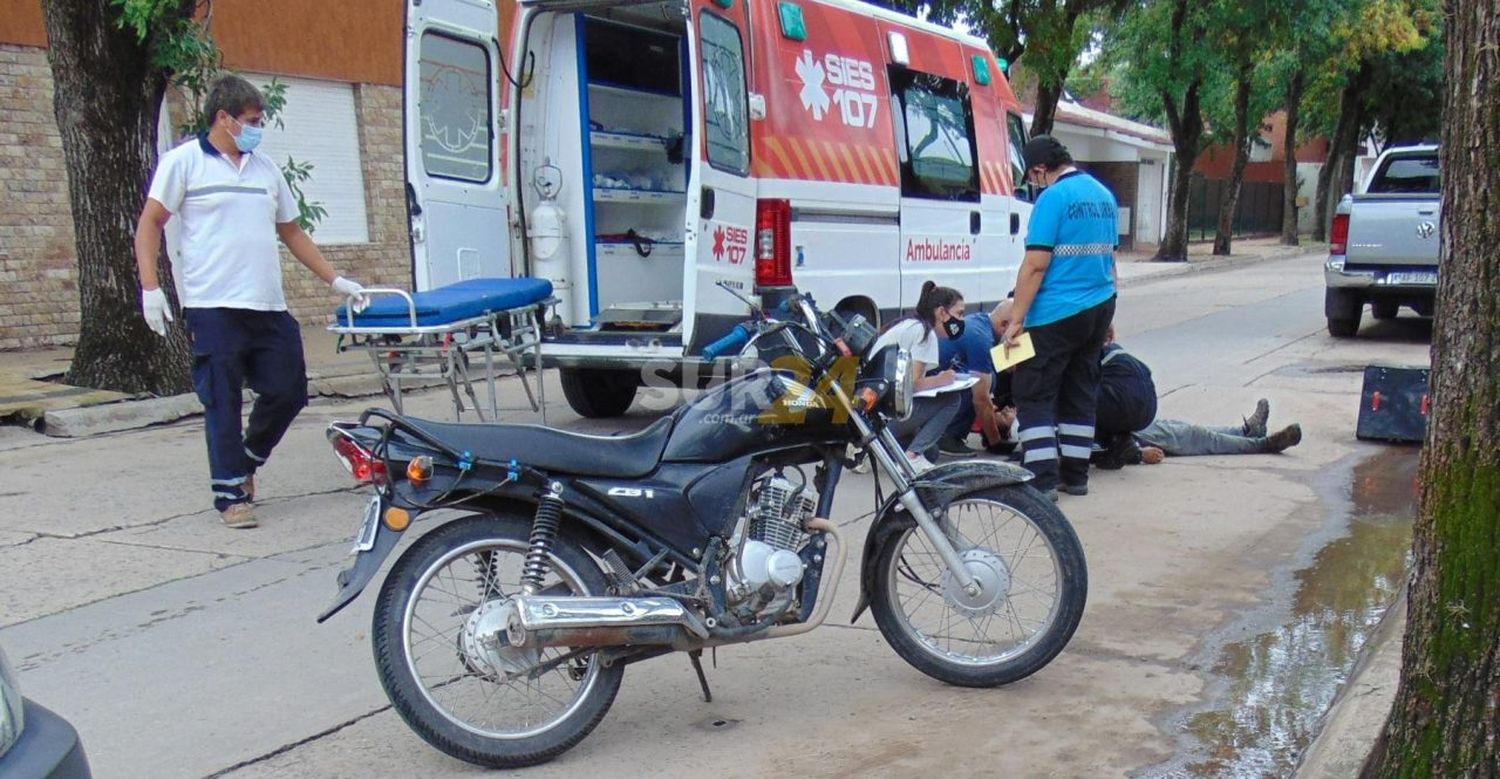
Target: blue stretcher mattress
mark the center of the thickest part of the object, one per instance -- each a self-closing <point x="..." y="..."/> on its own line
<point x="453" y="303"/>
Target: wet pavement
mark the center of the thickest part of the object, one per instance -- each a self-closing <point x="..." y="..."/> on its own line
<point x="1271" y="690"/>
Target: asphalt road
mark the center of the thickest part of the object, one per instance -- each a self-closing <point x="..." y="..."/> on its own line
<point x="180" y="648"/>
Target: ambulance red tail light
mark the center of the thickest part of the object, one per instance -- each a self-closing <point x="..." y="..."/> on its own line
<point x="1338" y="236"/>
<point x="773" y="243"/>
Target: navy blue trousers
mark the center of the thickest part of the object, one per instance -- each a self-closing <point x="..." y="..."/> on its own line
<point x="1055" y="394"/>
<point x="234" y="348"/>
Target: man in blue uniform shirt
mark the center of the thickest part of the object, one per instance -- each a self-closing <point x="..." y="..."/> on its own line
<point x="1065" y="297"/>
<point x="971" y="352"/>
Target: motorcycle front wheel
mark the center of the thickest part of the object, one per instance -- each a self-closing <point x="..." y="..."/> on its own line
<point x="1033" y="578"/>
<point x="440" y="612"/>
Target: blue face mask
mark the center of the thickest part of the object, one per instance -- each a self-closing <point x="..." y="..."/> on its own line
<point x="249" y="137"/>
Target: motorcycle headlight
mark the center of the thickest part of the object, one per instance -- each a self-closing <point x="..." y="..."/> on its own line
<point x="887" y="375"/>
<point x="12" y="717"/>
<point x="903" y="385"/>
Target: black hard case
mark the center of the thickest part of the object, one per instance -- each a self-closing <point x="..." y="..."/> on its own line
<point x="1394" y="404"/>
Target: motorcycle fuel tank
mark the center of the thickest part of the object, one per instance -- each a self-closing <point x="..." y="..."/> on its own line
<point x="767" y="409"/>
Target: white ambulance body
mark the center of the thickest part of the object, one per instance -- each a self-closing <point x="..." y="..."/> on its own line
<point x="638" y="153"/>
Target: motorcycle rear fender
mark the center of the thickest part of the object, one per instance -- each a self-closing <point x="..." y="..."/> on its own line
<point x="937" y="488"/>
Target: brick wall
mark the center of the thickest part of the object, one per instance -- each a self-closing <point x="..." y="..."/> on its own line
<point x="38" y="277"/>
<point x="1123" y="179"/>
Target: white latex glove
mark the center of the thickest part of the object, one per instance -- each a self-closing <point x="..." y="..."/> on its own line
<point x="156" y="310"/>
<point x="351" y="289"/>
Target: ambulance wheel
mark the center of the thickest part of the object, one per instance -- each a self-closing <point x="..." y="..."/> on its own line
<point x="597" y="393"/>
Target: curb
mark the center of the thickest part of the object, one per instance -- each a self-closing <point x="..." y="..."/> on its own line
<point x="1221" y="263"/>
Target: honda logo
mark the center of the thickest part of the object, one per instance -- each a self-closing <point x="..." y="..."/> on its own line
<point x="1426" y="229"/>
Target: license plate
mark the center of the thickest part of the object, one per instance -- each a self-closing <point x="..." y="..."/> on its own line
<point x="1411" y="277"/>
<point x="365" y="540"/>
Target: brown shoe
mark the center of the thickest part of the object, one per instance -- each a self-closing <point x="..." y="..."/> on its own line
<point x="1284" y="439"/>
<point x="239" y="516"/>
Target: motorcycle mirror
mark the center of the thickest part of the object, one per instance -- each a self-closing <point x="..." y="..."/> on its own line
<point x="754" y="307"/>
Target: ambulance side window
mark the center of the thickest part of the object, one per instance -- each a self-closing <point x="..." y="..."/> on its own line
<point x="726" y="124"/>
<point x="1017" y="165"/>
<point x="935" y="129"/>
<point x="454" y="108"/>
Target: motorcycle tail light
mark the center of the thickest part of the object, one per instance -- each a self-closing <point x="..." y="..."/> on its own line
<point x="360" y="462"/>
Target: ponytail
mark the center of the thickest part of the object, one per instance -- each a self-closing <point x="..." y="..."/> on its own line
<point x="933" y="298"/>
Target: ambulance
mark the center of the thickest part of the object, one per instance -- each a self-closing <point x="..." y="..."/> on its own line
<point x="644" y="155"/>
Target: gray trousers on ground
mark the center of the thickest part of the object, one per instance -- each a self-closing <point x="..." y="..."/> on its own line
<point x="1181" y="439"/>
<point x="929" y="419"/>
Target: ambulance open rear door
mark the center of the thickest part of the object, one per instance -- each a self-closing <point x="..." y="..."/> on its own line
<point x="455" y="187"/>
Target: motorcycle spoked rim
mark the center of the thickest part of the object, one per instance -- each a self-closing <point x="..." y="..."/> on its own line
<point x="557" y="565"/>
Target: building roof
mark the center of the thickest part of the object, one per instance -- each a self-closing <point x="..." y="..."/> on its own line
<point x="1074" y="114"/>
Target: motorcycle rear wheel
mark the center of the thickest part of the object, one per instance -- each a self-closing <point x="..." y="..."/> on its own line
<point x="1018" y="544"/>
<point x="469" y="699"/>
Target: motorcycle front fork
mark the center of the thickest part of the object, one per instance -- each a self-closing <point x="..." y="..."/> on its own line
<point x="888" y="454"/>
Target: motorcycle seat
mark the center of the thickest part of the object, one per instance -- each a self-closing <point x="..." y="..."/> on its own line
<point x="558" y="451"/>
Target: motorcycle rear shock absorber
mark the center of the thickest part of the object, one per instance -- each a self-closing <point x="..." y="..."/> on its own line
<point x="543" y="531"/>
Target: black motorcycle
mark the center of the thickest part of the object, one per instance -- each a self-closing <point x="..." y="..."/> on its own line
<point x="501" y="636"/>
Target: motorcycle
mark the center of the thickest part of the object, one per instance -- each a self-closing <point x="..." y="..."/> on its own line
<point x="501" y="636"/>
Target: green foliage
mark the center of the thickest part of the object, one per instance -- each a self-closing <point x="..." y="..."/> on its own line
<point x="309" y="213"/>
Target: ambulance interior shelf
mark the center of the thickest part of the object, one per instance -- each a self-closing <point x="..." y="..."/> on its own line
<point x="634" y="113"/>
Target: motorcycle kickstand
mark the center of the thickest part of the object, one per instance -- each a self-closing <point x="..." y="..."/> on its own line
<point x="696" y="657"/>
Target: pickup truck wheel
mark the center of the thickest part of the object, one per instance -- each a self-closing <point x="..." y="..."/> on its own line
<point x="1343" y="310"/>
<point x="1385" y="309"/>
<point x="598" y="393"/>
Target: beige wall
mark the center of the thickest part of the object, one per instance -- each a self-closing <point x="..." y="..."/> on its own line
<point x="38" y="277"/>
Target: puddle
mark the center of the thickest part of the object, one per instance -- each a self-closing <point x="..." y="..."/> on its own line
<point x="1272" y="689"/>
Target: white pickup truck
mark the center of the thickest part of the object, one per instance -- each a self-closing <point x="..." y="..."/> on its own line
<point x="1383" y="248"/>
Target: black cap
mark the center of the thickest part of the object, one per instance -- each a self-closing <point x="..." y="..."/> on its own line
<point x="1044" y="150"/>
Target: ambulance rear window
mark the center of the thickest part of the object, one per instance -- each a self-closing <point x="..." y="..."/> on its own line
<point x="454" y="108"/>
<point x="937" y="137"/>
<point x="727" y="129"/>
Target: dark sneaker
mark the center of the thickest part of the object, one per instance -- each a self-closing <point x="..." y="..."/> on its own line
<point x="1075" y="489"/>
<point x="1118" y="453"/>
<point x="1050" y="495"/>
<point x="1284" y="439"/>
<point x="1255" y="424"/>
<point x="953" y="447"/>
<point x="249" y="489"/>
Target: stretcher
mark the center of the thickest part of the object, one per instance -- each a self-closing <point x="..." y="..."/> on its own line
<point x="414" y="338"/>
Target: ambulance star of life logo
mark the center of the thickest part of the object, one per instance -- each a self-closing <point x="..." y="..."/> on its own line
<point x="814" y="97"/>
<point x="719" y="243"/>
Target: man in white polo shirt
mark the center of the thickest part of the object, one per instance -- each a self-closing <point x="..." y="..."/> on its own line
<point x="233" y="205"/>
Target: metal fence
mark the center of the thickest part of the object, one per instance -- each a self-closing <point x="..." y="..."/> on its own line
<point x="1259" y="210"/>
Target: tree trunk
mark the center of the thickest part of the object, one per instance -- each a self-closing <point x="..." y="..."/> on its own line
<point x="1339" y="168"/>
<point x="1289" y="188"/>
<point x="1446" y="717"/>
<point x="1187" y="142"/>
<point x="107" y="99"/>
<point x="1045" y="114"/>
<point x="1242" y="140"/>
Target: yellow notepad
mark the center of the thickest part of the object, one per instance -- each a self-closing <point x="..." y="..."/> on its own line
<point x="1020" y="351"/>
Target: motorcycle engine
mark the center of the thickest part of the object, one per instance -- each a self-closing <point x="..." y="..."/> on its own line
<point x="767" y="563"/>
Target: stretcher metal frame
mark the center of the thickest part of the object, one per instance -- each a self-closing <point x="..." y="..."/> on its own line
<point x="418" y="353"/>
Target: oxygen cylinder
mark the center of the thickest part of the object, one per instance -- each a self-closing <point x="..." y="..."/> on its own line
<point x="547" y="226"/>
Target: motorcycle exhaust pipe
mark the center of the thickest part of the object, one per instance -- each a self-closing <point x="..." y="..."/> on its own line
<point x="584" y="621"/>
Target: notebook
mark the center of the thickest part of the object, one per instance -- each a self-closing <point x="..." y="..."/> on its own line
<point x="961" y="383"/>
<point x="1020" y="351"/>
